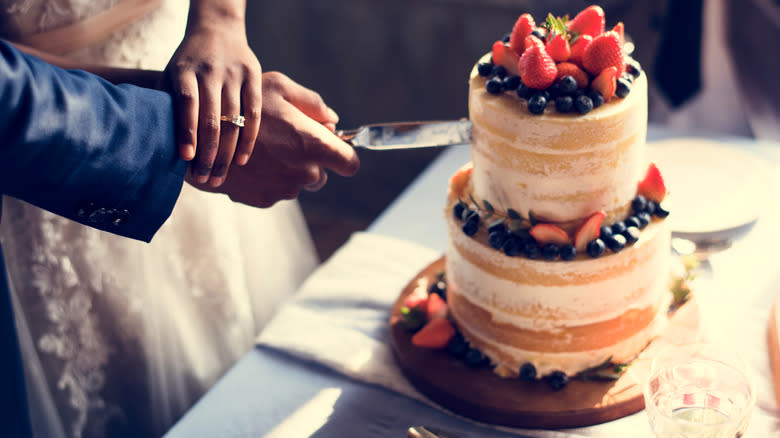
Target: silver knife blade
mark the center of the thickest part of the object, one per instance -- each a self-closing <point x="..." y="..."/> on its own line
<point x="409" y="135"/>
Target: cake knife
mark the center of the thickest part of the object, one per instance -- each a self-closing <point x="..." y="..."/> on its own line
<point x="409" y="135"/>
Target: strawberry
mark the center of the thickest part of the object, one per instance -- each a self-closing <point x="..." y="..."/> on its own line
<point x="589" y="21"/>
<point x="569" y="69"/>
<point x="437" y="307"/>
<point x="460" y="180"/>
<point x="578" y="48"/>
<point x="417" y="299"/>
<point x="558" y="48"/>
<point x="437" y="333"/>
<point x="589" y="230"/>
<point x="532" y="40"/>
<point x="503" y="55"/>
<point x="537" y="68"/>
<point x="605" y="51"/>
<point x="620" y="30"/>
<point x="606" y="82"/>
<point x="549" y="233"/>
<point x="652" y="186"/>
<point x="522" y="28"/>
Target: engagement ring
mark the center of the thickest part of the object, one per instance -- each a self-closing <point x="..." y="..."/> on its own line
<point x="236" y="120"/>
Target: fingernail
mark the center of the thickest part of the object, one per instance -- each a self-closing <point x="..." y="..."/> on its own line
<point x="242" y="159"/>
<point x="216" y="182"/>
<point x="189" y="152"/>
<point x="332" y="114"/>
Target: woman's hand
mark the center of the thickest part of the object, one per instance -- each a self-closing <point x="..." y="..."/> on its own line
<point x="214" y="73"/>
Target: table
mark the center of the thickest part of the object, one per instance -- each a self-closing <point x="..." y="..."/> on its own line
<point x="268" y="393"/>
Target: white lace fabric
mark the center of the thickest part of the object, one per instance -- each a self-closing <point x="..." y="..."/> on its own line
<point x="120" y="337"/>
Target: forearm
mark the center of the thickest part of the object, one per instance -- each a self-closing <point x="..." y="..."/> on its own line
<point x="217" y="12"/>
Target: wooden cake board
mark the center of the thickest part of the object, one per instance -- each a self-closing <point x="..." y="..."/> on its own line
<point x="481" y="395"/>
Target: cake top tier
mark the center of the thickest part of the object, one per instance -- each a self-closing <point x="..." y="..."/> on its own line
<point x="575" y="63"/>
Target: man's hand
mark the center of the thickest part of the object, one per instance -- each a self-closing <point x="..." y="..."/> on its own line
<point x="294" y="147"/>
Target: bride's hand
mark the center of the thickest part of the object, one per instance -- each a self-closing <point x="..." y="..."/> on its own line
<point x="214" y="73"/>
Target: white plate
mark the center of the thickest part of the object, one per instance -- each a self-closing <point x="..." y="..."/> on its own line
<point x="713" y="187"/>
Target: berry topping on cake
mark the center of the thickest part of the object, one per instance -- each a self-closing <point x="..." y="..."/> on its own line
<point x="436" y="307"/>
<point x="606" y="82"/>
<point x="537" y="68"/>
<point x="605" y="51"/>
<point x="460" y="180"/>
<point x="417" y="299"/>
<point x="590" y="21"/>
<point x="578" y="47"/>
<point x="558" y="48"/>
<point x="505" y="57"/>
<point x="437" y="333"/>
<point x="572" y="70"/>
<point x="558" y="380"/>
<point x="549" y="233"/>
<point x="620" y="30"/>
<point x="652" y="186"/>
<point x="589" y="230"/>
<point x="523" y="27"/>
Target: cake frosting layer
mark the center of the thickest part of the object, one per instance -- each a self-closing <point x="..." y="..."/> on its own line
<point x="559" y="166"/>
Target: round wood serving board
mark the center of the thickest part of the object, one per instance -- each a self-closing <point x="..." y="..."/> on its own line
<point x="481" y="395"/>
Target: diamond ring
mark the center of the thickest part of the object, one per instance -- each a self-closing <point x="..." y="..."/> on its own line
<point x="236" y="120"/>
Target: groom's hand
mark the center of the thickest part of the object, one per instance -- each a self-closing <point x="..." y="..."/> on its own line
<point x="293" y="148"/>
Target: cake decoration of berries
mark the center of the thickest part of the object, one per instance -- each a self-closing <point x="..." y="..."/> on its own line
<point x="541" y="57"/>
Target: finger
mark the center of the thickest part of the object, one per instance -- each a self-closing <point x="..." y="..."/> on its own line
<point x="185" y="88"/>
<point x="251" y="103"/>
<point x="320" y="183"/>
<point x="308" y="102"/>
<point x="208" y="126"/>
<point x="228" y="138"/>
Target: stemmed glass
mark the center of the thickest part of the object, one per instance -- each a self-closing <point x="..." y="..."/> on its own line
<point x="698" y="391"/>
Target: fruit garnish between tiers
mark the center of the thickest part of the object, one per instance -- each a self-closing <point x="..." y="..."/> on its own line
<point x="575" y="65"/>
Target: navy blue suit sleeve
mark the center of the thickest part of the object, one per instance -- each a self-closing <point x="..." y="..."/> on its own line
<point x="80" y="147"/>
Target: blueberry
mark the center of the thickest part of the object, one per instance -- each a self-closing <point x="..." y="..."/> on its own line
<point x="631" y="234"/>
<point x="583" y="104"/>
<point x="524" y="235"/>
<point x="633" y="67"/>
<point x="551" y="251"/>
<point x="644" y="219"/>
<point x="458" y="346"/>
<point x="439" y="288"/>
<point x="458" y="210"/>
<point x="596" y="247"/>
<point x="536" y="104"/>
<point x="639" y="204"/>
<point x="499" y="71"/>
<point x="506" y="38"/>
<point x="498" y="226"/>
<point x="618" y="228"/>
<point x="568" y="84"/>
<point x="568" y="252"/>
<point x="651" y="207"/>
<point x="628" y="77"/>
<point x="513" y="246"/>
<point x="523" y="91"/>
<point x="539" y="33"/>
<point x="528" y="372"/>
<point x="564" y="104"/>
<point x="546" y="94"/>
<point x="497" y="238"/>
<point x="531" y="250"/>
<point x="485" y="68"/>
<point x="596" y="97"/>
<point x="605" y="231"/>
<point x="511" y="82"/>
<point x="616" y="242"/>
<point x="623" y="88"/>
<point x="631" y="221"/>
<point x="558" y="380"/>
<point x="494" y="85"/>
<point x="471" y="225"/>
<point x="661" y="211"/>
<point x="553" y="91"/>
<point x="474" y="358"/>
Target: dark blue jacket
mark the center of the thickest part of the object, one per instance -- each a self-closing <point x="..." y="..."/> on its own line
<point x="85" y="149"/>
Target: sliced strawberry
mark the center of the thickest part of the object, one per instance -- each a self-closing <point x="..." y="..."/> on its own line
<point x="605" y="51"/>
<point x="620" y="30"/>
<point x="589" y="230"/>
<point x="606" y="83"/>
<point x="437" y="307"/>
<point x="522" y="28"/>
<point x="537" y="68"/>
<point x="503" y="55"/>
<point x="589" y="21"/>
<point x="652" y="186"/>
<point x="549" y="233"/>
<point x="417" y="299"/>
<point x="569" y="69"/>
<point x="437" y="333"/>
<point x="460" y="180"/>
<point x="578" y="48"/>
<point x="558" y="48"/>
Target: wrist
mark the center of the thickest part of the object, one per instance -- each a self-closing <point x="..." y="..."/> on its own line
<point x="219" y="12"/>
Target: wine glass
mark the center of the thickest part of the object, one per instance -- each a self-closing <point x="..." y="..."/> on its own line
<point x="698" y="391"/>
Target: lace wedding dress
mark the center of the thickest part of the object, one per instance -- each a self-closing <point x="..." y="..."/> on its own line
<point x="120" y="337"/>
